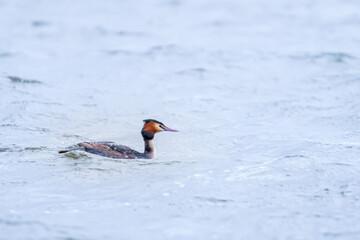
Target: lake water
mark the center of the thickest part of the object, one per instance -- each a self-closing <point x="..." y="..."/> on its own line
<point x="265" y="94"/>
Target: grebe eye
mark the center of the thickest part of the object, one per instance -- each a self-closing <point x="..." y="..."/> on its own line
<point x="161" y="126"/>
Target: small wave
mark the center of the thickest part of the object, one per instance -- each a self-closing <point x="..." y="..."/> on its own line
<point x="342" y="234"/>
<point x="129" y="34"/>
<point x="120" y="33"/>
<point x="169" y="49"/>
<point x="192" y="71"/>
<point x="148" y="163"/>
<point x="15" y="148"/>
<point x="118" y="52"/>
<point x="39" y="23"/>
<point x="213" y="199"/>
<point x="4" y="150"/>
<point x="14" y="183"/>
<point x="5" y="54"/>
<point x="296" y="156"/>
<point x="17" y="223"/>
<point x="32" y="149"/>
<point x="76" y="155"/>
<point x="338" y="57"/>
<point x="16" y="79"/>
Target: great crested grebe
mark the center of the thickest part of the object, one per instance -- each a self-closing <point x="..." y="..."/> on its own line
<point x="111" y="150"/>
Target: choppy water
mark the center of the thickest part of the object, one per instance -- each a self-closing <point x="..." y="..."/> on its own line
<point x="265" y="94"/>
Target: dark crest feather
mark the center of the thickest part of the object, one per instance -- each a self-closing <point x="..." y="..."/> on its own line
<point x="152" y="120"/>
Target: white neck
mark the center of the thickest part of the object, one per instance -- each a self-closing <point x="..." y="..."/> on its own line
<point x="150" y="149"/>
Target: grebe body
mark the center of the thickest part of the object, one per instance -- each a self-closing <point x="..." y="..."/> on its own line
<point x="112" y="150"/>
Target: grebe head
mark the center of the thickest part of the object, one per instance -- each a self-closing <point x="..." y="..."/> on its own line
<point x="151" y="127"/>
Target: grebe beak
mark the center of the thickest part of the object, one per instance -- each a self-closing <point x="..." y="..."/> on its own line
<point x="169" y="129"/>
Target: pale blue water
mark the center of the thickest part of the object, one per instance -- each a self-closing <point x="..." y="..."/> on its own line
<point x="265" y="95"/>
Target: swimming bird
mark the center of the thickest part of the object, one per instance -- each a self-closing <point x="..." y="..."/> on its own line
<point x="111" y="150"/>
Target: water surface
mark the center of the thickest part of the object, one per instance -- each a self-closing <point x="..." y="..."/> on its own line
<point x="265" y="95"/>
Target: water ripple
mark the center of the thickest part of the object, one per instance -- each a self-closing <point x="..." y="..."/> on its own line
<point x="16" y="79"/>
